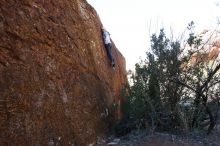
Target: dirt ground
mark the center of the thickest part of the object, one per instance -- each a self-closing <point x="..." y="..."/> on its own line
<point x="144" y="138"/>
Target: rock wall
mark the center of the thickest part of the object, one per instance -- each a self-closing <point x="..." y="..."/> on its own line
<point x="56" y="83"/>
<point x="210" y="49"/>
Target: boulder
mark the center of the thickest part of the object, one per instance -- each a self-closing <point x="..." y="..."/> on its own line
<point x="56" y="82"/>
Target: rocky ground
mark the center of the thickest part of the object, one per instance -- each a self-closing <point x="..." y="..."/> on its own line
<point x="145" y="138"/>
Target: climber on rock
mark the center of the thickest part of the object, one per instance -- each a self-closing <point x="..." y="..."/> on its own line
<point x="108" y="45"/>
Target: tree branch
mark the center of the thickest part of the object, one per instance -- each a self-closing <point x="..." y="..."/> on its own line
<point x="183" y="84"/>
<point x="210" y="77"/>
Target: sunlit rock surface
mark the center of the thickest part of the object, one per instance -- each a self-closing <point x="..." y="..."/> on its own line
<point x="56" y="83"/>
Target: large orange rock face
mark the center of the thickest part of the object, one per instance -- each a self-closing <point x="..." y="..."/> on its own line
<point x="56" y="83"/>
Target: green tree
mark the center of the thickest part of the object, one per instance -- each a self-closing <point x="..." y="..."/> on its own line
<point x="171" y="92"/>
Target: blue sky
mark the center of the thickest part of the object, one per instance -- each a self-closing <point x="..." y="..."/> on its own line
<point x="131" y="22"/>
